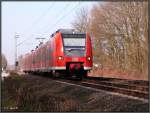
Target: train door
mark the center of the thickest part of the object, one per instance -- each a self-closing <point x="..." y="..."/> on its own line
<point x="50" y="54"/>
<point x="47" y="55"/>
<point x="44" y="55"/>
<point x="40" y="58"/>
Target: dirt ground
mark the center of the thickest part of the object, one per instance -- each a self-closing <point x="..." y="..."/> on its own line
<point x="36" y="93"/>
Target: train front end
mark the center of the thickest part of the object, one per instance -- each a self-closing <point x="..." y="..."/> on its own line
<point x="75" y="54"/>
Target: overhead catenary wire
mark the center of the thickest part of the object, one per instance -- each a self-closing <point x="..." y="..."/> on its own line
<point x="60" y="19"/>
<point x="37" y="21"/>
<point x="63" y="10"/>
<point x="64" y="16"/>
<point x="40" y="17"/>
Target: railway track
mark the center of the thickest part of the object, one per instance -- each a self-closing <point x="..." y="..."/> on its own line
<point x="123" y="85"/>
<point x="132" y="88"/>
<point x="126" y="87"/>
<point x="119" y="88"/>
<point x="123" y="81"/>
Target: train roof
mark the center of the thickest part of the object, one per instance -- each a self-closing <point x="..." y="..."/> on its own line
<point x="69" y="31"/>
<point x="66" y="31"/>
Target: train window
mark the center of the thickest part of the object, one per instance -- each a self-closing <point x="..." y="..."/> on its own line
<point x="36" y="58"/>
<point x="74" y="39"/>
<point x="74" y="44"/>
<point x="49" y="53"/>
<point x="46" y="53"/>
<point x="33" y="59"/>
<point x="45" y="50"/>
<point x="41" y="55"/>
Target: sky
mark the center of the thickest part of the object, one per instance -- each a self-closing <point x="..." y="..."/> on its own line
<point x="31" y="20"/>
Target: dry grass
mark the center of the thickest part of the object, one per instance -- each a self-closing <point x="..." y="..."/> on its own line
<point x="34" y="93"/>
<point x="29" y="95"/>
<point x="13" y="72"/>
<point x="118" y="74"/>
<point x="29" y="100"/>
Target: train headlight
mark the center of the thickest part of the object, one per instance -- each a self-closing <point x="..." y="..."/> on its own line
<point x="88" y="58"/>
<point x="60" y="58"/>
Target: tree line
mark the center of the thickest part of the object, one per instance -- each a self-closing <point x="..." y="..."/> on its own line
<point x="119" y="31"/>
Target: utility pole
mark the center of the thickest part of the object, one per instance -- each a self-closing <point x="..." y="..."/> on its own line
<point x="16" y="62"/>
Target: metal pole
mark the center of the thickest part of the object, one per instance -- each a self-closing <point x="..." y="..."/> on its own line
<point x="16" y="36"/>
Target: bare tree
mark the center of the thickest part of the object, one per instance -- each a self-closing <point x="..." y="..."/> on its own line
<point x="81" y="20"/>
<point x="122" y="26"/>
<point x="4" y="61"/>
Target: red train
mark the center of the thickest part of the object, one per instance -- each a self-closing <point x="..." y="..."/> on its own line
<point x="67" y="52"/>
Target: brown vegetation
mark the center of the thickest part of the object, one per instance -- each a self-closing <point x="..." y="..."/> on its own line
<point x="25" y="95"/>
<point x="3" y="61"/>
<point x="35" y="93"/>
<point x="119" y="32"/>
<point x="132" y="75"/>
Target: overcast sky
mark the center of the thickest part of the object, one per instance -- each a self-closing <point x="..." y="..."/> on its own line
<point x="34" y="19"/>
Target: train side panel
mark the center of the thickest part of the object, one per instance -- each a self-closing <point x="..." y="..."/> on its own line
<point x="89" y="56"/>
<point x="59" y="53"/>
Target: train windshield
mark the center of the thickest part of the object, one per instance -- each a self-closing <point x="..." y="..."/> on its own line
<point x="74" y="44"/>
<point x="74" y="41"/>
